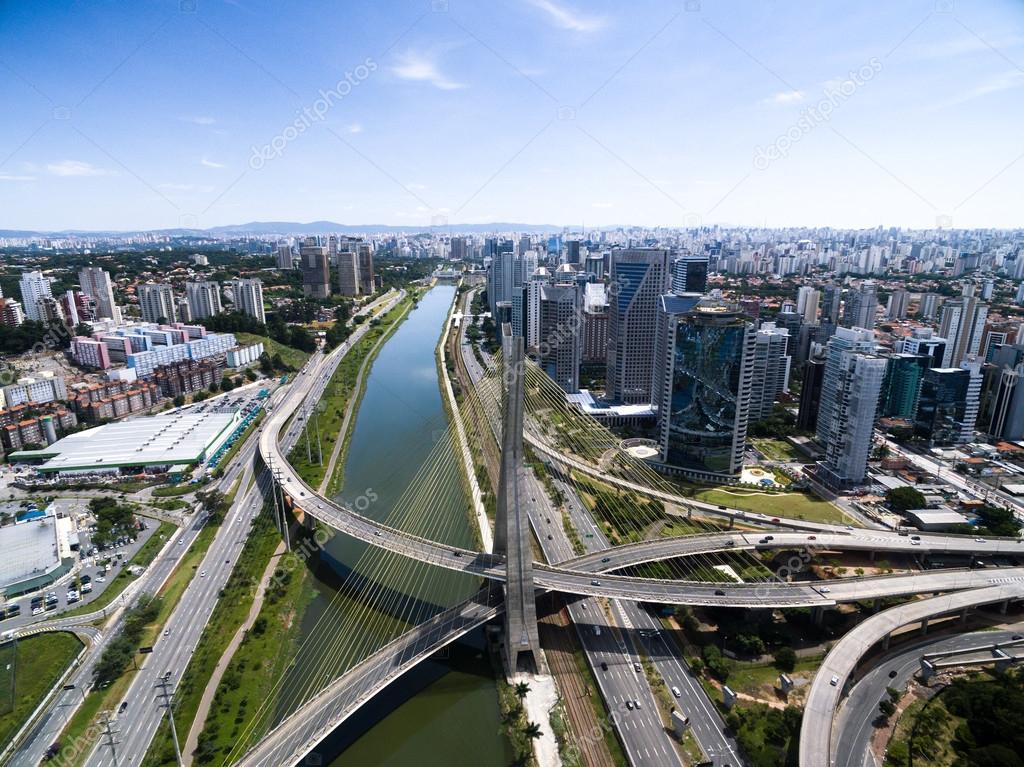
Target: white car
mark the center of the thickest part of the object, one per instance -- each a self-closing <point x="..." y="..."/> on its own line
<point x="202" y="573"/>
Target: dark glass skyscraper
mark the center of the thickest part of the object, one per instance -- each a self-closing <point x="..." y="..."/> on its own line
<point x="706" y="389"/>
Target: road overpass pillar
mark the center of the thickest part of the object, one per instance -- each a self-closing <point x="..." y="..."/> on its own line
<point x="511" y="525"/>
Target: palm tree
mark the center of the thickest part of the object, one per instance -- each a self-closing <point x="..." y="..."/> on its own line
<point x="522" y="689"/>
<point x="532" y="730"/>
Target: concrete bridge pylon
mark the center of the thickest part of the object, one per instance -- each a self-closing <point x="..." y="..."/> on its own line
<point x="512" y="527"/>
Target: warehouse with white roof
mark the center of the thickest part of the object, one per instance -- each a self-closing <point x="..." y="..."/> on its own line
<point x="148" y="444"/>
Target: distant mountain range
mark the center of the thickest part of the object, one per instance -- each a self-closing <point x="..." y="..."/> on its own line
<point x="288" y="228"/>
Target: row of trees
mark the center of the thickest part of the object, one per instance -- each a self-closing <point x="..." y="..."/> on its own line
<point x="122" y="648"/>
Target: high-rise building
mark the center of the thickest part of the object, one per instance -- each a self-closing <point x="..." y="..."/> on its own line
<point x="248" y="297"/>
<point x="903" y="384"/>
<point x="810" y="394"/>
<point x="500" y="267"/>
<point x="458" y="249"/>
<point x="595" y="265"/>
<point x="638" y="278"/>
<point x="560" y="347"/>
<point x="366" y="276"/>
<point x="861" y="306"/>
<point x="595" y="324"/>
<point x="1006" y="411"/>
<point x="316" y="271"/>
<point x="156" y="302"/>
<point x="850" y="394"/>
<point x="690" y="273"/>
<point x="929" y="307"/>
<point x="962" y="324"/>
<point x="831" y="298"/>
<point x="770" y="363"/>
<point x="203" y="299"/>
<point x="11" y="314"/>
<point x="1020" y="294"/>
<point x="284" y="256"/>
<point x="95" y="282"/>
<point x="35" y="286"/>
<point x="899" y="302"/>
<point x="948" y="406"/>
<point x="347" y="265"/>
<point x="704" y="391"/>
<point x="923" y="341"/>
<point x="572" y="252"/>
<point x="807" y="299"/>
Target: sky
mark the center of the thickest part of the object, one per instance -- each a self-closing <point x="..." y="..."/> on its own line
<point x="582" y="113"/>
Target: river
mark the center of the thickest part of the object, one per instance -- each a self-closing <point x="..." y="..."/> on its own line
<point x="446" y="710"/>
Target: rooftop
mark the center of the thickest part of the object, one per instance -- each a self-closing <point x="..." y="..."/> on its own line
<point x="178" y="438"/>
<point x="30" y="550"/>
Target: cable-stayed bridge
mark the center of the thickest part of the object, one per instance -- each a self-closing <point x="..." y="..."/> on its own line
<point x="515" y="399"/>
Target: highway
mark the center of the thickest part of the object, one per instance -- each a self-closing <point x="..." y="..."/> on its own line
<point x="816" y="734"/>
<point x="143" y="704"/>
<point x="854" y="725"/>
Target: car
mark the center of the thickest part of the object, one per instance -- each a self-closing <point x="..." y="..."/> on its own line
<point x="769" y="537"/>
<point x="202" y="573"/>
<point x="915" y="537"/>
<point x="377" y="533"/>
<point x="636" y="666"/>
<point x="1017" y="637"/>
<point x="604" y="666"/>
<point x="167" y="632"/>
<point x="812" y="537"/>
<point x="724" y="508"/>
<point x="636" y="704"/>
<point x="824" y="589"/>
<point x="849" y="527"/>
<point x="629" y="705"/>
<point x="915" y="543"/>
<point x="676" y="693"/>
<point x="979" y="540"/>
<point x="595" y="583"/>
<point x="181" y="542"/>
<point x="606" y="559"/>
<point x="834" y="681"/>
<point x="550" y="538"/>
<point x="122" y="707"/>
<point x="719" y="593"/>
<point x="904" y="532"/>
<point x="763" y="540"/>
<point x="892" y="674"/>
<point x="457" y="553"/>
<point x="775" y="519"/>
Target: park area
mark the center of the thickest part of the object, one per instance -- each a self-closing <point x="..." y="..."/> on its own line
<point x="28" y="669"/>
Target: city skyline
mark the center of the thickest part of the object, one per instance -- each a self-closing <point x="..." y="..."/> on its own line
<point x="674" y="114"/>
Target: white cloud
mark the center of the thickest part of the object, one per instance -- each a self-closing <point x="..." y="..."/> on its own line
<point x="1002" y="82"/>
<point x="602" y="205"/>
<point x="206" y="163"/>
<point x="355" y="128"/>
<point x="961" y="46"/>
<point x="11" y="177"/>
<point x="421" y="67"/>
<point x="785" y="97"/>
<point x="75" y="168"/>
<point x="566" y="18"/>
<point x="198" y="120"/>
<point x="185" y="188"/>
<point x="415" y="187"/>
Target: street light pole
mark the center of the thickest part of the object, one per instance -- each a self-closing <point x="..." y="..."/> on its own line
<point x="168" y="696"/>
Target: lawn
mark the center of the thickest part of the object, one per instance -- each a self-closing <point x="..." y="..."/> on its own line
<point x="776" y="449"/>
<point x="792" y="505"/>
<point x="28" y="669"/>
<point x="758" y="679"/>
<point x="292" y="357"/>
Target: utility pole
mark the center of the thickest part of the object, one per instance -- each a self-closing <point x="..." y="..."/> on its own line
<point x="110" y="735"/>
<point x="319" y="449"/>
<point x="309" y="452"/>
<point x="169" y="705"/>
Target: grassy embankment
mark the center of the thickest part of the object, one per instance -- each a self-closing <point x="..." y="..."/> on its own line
<point x="28" y="669"/>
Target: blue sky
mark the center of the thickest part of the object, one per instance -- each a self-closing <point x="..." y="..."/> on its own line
<point x="205" y="112"/>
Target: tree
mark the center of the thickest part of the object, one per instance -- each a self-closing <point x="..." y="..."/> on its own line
<point x="226" y="384"/>
<point x="887" y="707"/>
<point x="179" y="400"/>
<point x="522" y="689"/>
<point x="901" y="499"/>
<point x="532" y="730"/>
<point x="785" y="659"/>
